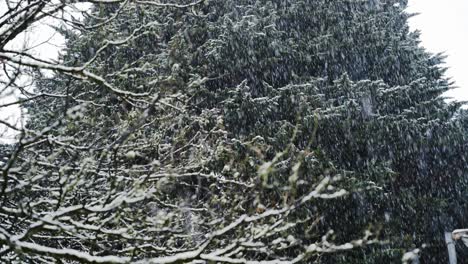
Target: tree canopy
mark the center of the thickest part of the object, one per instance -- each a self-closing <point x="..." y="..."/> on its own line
<point x="235" y="131"/>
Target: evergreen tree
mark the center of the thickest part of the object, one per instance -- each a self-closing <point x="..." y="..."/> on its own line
<point x="234" y="108"/>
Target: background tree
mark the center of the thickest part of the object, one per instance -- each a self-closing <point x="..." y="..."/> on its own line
<point x="377" y="96"/>
<point x="244" y="117"/>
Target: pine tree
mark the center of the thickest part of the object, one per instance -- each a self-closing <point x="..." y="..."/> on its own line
<point x="243" y="107"/>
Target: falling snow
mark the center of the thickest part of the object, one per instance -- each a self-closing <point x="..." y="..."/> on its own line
<point x="244" y="131"/>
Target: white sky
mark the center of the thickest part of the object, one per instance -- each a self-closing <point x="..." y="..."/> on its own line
<point x="42" y="38"/>
<point x="45" y="43"/>
<point x="444" y="28"/>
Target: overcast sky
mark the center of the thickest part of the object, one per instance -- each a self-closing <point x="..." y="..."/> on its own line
<point x="444" y="26"/>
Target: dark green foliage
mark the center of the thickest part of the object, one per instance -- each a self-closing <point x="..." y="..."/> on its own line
<point x="339" y="87"/>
